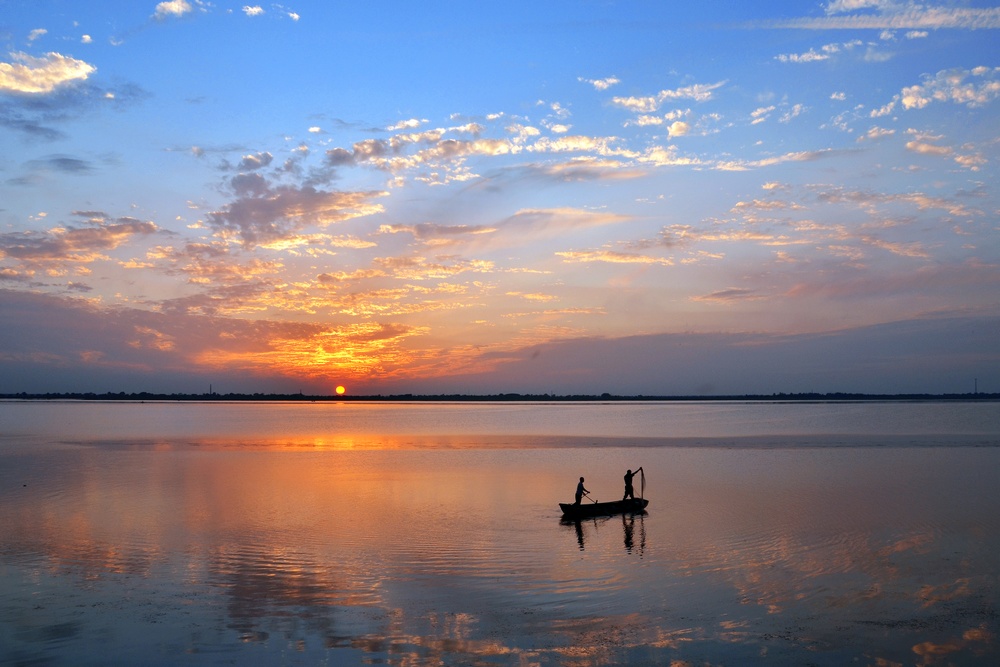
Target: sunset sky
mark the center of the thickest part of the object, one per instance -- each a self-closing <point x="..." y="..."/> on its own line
<point x="550" y="197"/>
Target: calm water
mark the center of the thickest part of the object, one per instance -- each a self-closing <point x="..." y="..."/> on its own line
<point x="347" y="534"/>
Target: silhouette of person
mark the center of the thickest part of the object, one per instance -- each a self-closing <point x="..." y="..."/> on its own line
<point x="629" y="492"/>
<point x="580" y="491"/>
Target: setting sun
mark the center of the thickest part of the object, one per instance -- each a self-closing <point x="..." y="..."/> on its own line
<point x="340" y="389"/>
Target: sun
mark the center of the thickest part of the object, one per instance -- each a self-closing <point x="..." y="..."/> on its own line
<point x="340" y="390"/>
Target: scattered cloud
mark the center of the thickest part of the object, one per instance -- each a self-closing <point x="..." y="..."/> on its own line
<point x="600" y="84"/>
<point x="825" y="52"/>
<point x="973" y="88"/>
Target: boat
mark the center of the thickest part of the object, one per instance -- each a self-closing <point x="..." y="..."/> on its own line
<point x="585" y="510"/>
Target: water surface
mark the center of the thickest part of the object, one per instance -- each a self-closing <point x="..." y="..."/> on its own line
<point x="143" y="534"/>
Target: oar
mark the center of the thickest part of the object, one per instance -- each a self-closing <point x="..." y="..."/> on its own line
<point x="592" y="500"/>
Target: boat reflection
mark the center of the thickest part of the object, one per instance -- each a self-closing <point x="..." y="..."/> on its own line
<point x="629" y="528"/>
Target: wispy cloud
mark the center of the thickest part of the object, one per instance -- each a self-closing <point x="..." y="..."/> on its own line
<point x="731" y="295"/>
<point x="611" y="257"/>
<point x="892" y="15"/>
<point x="699" y="92"/>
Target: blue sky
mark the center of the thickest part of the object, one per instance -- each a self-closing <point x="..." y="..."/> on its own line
<point x="558" y="197"/>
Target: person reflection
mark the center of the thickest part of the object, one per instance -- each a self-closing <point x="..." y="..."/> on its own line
<point x="579" y="533"/>
<point x="628" y="528"/>
<point x="628" y="525"/>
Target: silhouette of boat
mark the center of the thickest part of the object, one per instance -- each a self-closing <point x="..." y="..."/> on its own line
<point x="583" y="510"/>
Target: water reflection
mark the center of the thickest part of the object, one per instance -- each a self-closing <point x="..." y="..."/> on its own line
<point x="453" y="557"/>
<point x="631" y="522"/>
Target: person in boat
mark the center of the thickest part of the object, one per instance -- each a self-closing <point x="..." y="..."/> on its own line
<point x="580" y="491"/>
<point x="629" y="491"/>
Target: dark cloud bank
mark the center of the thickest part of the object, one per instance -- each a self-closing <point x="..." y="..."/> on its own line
<point x="53" y="344"/>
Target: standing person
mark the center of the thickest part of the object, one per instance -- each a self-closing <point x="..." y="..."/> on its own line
<point x="629" y="492"/>
<point x="580" y="491"/>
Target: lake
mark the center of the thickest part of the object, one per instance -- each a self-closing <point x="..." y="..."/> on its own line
<point x="418" y="534"/>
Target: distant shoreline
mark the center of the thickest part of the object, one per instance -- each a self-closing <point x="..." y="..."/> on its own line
<point x="512" y="397"/>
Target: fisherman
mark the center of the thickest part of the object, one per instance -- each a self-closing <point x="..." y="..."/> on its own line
<point x="580" y="491"/>
<point x="629" y="492"/>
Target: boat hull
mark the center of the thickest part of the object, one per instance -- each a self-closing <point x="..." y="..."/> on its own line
<point x="583" y="510"/>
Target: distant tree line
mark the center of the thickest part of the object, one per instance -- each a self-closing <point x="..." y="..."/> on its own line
<point x="300" y="397"/>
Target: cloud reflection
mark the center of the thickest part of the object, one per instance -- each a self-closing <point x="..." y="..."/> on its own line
<point x="416" y="556"/>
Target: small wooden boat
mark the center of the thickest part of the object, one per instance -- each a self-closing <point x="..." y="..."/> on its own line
<point x="584" y="510"/>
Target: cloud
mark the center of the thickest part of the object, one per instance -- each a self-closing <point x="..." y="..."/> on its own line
<point x="875" y="133"/>
<point x="678" y="129"/>
<point x="61" y="163"/>
<point x="800" y="156"/>
<point x="41" y="75"/>
<point x="888" y="358"/>
<point x="826" y="52"/>
<point x="253" y="10"/>
<point x="731" y="295"/>
<point x="520" y="229"/>
<point x="36" y="33"/>
<point x="396" y="155"/>
<point x="907" y="249"/>
<point x="256" y="161"/>
<point x="91" y="348"/>
<point x="263" y="212"/>
<point x="760" y="114"/>
<point x="953" y="85"/>
<point x="611" y="257"/>
<point x="866" y="199"/>
<point x="891" y="15"/>
<point x="77" y="245"/>
<point x="700" y="92"/>
<point x="928" y="149"/>
<point x="435" y="234"/>
<point x="600" y="84"/>
<point x="168" y="8"/>
<point x="409" y="124"/>
<point x="796" y="110"/>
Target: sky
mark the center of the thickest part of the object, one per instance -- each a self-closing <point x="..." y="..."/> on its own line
<point x="640" y="198"/>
